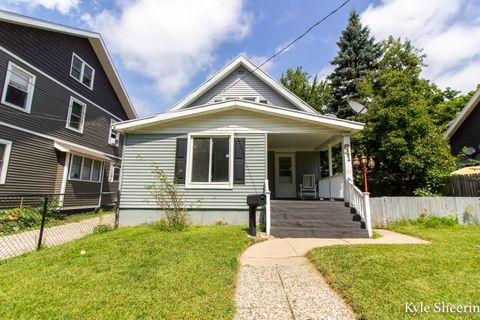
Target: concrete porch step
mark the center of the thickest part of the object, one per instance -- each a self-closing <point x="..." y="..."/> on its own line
<point x="281" y="232"/>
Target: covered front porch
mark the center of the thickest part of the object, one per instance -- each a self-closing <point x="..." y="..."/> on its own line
<point x="313" y="166"/>
<point x="310" y="187"/>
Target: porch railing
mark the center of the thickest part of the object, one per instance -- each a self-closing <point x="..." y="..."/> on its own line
<point x="360" y="201"/>
<point x="266" y="191"/>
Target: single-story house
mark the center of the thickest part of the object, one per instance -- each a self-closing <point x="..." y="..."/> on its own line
<point x="240" y="133"/>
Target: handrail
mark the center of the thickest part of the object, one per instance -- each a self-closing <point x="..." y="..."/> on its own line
<point x="266" y="191"/>
<point x="360" y="201"/>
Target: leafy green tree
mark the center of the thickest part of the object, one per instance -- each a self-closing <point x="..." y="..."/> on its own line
<point x="452" y="102"/>
<point x="358" y="54"/>
<point x="399" y="133"/>
<point x="315" y="93"/>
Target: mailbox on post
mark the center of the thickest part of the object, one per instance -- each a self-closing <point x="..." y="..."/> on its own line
<point x="253" y="201"/>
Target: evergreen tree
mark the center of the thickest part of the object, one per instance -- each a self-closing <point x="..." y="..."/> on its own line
<point x="358" y="54"/>
<point x="409" y="148"/>
<point x="315" y="93"/>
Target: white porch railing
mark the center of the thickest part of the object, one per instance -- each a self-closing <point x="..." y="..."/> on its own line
<point x="266" y="191"/>
<point x="360" y="201"/>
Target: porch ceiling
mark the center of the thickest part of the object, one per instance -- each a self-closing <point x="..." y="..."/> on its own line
<point x="301" y="140"/>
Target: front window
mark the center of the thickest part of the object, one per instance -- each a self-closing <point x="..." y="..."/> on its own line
<point x="211" y="160"/>
<point x="81" y="71"/>
<point x="76" y="115"/>
<point x="5" y="148"/>
<point x="85" y="169"/>
<point x="18" y="88"/>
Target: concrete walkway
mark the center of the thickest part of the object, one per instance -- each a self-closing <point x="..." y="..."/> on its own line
<point x="20" y="243"/>
<point x="277" y="282"/>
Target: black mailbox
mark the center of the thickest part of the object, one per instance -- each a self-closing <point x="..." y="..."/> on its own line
<point x="253" y="201"/>
<point x="256" y="199"/>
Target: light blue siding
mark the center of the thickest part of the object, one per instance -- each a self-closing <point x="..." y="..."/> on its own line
<point x="145" y="151"/>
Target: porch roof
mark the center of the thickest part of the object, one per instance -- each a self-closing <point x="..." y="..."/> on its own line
<point x="346" y="126"/>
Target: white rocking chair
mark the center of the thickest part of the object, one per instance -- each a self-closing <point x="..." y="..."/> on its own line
<point x="308" y="186"/>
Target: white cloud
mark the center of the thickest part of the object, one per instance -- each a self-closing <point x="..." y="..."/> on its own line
<point x="445" y="29"/>
<point x="170" y="41"/>
<point x="63" y="6"/>
<point x="324" y="72"/>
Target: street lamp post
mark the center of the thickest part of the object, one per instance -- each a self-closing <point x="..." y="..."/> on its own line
<point x="364" y="166"/>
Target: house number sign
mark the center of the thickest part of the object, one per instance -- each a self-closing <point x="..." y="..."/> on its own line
<point x="346" y="150"/>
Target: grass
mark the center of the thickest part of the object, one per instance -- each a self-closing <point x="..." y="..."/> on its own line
<point x="130" y="273"/>
<point x="378" y="280"/>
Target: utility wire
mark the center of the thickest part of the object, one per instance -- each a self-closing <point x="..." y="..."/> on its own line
<point x="291" y="43"/>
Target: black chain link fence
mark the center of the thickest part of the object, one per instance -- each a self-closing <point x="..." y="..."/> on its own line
<point x="32" y="222"/>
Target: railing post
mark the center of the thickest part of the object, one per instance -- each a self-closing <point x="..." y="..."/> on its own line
<point x="117" y="210"/>
<point x="42" y="226"/>
<point x="267" y="208"/>
<point x="368" y="219"/>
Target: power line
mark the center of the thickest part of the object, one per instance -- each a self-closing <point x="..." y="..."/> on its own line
<point x="288" y="45"/>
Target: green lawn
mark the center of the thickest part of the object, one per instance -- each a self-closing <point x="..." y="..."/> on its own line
<point x="130" y="273"/>
<point x="377" y="280"/>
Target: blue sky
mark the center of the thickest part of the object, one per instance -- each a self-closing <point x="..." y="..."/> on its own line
<point x="163" y="49"/>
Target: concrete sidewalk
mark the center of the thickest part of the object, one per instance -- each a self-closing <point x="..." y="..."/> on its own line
<point x="277" y="282"/>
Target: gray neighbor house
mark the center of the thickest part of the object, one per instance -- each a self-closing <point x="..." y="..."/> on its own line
<point x="241" y="133"/>
<point x="60" y="96"/>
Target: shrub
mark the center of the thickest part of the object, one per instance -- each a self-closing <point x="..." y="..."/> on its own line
<point x="170" y="200"/>
<point x="430" y="222"/>
<point x="102" y="228"/>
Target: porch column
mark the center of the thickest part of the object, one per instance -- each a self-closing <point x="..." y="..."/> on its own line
<point x="347" y="166"/>
<point x="330" y="171"/>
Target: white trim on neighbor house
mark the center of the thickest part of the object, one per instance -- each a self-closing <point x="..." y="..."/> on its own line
<point x="30" y="89"/>
<point x="111" y="172"/>
<point x="63" y="187"/>
<point x="252" y="68"/>
<point x="188" y="172"/>
<point x="82" y="71"/>
<point x="113" y="141"/>
<point x="54" y="139"/>
<point x="6" y="159"/>
<point x="82" y="116"/>
<point x="98" y="46"/>
<point x="334" y="123"/>
<point x="463" y="115"/>
<point x="57" y="82"/>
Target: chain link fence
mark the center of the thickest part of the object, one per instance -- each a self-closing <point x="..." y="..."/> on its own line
<point x="33" y="222"/>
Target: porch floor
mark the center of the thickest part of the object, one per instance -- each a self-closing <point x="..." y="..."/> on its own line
<point x="314" y="219"/>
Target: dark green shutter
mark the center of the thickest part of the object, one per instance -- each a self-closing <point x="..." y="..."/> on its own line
<point x="239" y="161"/>
<point x="181" y="160"/>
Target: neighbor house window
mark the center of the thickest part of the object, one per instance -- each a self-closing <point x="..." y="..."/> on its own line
<point x="114" y="136"/>
<point x="76" y="115"/>
<point x="18" y="88"/>
<point x="5" y="148"/>
<point x="85" y="169"/>
<point x="81" y="71"/>
<point x="114" y="173"/>
<point x="211" y="160"/>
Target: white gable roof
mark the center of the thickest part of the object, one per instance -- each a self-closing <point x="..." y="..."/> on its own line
<point x="97" y="44"/>
<point x="314" y="118"/>
<point x="252" y="71"/>
<point x="471" y="104"/>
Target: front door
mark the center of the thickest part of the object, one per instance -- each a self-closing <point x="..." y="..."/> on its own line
<point x="285" y="186"/>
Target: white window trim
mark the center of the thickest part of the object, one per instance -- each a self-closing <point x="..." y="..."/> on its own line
<point x="74" y="55"/>
<point x="110" y="141"/>
<point x="208" y="185"/>
<point x="82" y="122"/>
<point x="6" y="159"/>
<point x="227" y="98"/>
<point x="111" y="172"/>
<point x="81" y="169"/>
<point x="31" y="86"/>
